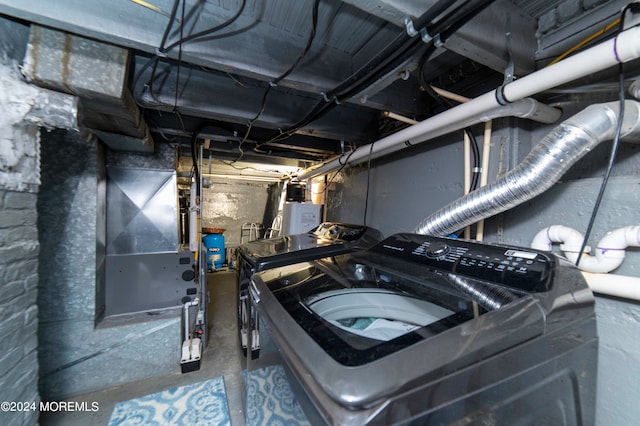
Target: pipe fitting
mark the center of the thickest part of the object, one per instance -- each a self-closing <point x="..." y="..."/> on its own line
<point x="570" y="239"/>
<point x="610" y="251"/>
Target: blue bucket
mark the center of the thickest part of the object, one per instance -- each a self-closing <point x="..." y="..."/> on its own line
<point x="214" y="243"/>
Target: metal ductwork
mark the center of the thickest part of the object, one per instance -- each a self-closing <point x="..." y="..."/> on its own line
<point x="540" y="170"/>
<point x="96" y="73"/>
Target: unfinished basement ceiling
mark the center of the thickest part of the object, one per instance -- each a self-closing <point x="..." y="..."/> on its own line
<point x="217" y="67"/>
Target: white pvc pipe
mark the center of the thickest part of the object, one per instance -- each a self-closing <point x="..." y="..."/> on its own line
<point x="185" y="313"/>
<point x="614" y="285"/>
<point x="484" y="108"/>
<point x="570" y="239"/>
<point x="610" y="251"/>
<point x="484" y="172"/>
<point x="193" y="219"/>
<point x="623" y="48"/>
<point x="467" y="174"/>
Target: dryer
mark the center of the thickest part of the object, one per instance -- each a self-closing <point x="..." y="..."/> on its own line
<point x="424" y="330"/>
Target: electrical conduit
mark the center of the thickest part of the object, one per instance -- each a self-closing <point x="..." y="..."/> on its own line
<point x="540" y="169"/>
<point x="621" y="49"/>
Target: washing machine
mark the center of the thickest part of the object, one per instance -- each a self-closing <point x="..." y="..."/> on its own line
<point x="327" y="239"/>
<point x="423" y="330"/>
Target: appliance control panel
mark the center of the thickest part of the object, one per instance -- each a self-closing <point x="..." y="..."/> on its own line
<point x="523" y="268"/>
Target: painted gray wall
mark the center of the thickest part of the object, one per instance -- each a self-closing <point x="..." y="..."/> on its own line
<point x="18" y="310"/>
<point x="19" y="245"/>
<point x="409" y="185"/>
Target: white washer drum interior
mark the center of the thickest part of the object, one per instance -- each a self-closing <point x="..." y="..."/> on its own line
<point x="358" y="313"/>
<point x="375" y="313"/>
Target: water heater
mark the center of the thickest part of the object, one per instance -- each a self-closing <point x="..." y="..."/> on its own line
<point x="298" y="218"/>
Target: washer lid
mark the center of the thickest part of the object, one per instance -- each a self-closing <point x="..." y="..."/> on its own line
<point x="359" y="313"/>
<point x="328" y="239"/>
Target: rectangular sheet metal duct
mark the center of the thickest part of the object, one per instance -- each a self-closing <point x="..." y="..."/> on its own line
<point x="97" y="74"/>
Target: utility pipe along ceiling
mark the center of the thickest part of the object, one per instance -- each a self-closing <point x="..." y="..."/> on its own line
<point x="297" y="82"/>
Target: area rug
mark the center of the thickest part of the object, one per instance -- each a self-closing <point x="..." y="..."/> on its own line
<point x="203" y="403"/>
<point x="270" y="400"/>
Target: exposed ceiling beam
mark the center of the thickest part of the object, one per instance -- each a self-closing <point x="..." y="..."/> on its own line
<point x="483" y="39"/>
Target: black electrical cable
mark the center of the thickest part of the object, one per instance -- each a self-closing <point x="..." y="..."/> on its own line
<point x="390" y="54"/>
<point x="605" y="179"/>
<point x="175" y="101"/>
<point x="345" y="91"/>
<point x="194" y="158"/>
<point x="209" y="31"/>
<point x="393" y="54"/>
<point x="433" y="12"/>
<point x="396" y="48"/>
<point x="342" y="165"/>
<point x="273" y="83"/>
<point x="614" y="145"/>
<point x="473" y="143"/>
<point x="162" y="50"/>
<point x="444" y="36"/>
<point x="366" y="198"/>
<point x="154" y="59"/>
<point x="458" y="17"/>
<point x="310" y="38"/>
<point x="165" y="35"/>
<point x="454" y="19"/>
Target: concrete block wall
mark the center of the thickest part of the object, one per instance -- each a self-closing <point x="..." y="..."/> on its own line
<point x="229" y="204"/>
<point x="19" y="239"/>
<point x="18" y="309"/>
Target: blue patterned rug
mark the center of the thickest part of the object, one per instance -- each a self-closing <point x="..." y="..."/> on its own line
<point x="270" y="400"/>
<point x="203" y="403"/>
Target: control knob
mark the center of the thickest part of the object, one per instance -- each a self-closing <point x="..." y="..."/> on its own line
<point x="437" y="250"/>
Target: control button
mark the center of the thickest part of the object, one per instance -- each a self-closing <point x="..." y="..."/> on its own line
<point x="437" y="249"/>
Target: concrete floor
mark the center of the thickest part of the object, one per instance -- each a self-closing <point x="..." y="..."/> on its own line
<point x="221" y="358"/>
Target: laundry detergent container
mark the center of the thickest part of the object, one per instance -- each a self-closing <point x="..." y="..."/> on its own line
<point x="214" y="243"/>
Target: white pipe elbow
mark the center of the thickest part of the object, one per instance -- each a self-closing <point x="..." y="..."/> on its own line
<point x="569" y="238"/>
<point x="620" y="239"/>
<point x="610" y="251"/>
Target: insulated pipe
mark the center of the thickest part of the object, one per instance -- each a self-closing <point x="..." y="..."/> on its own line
<point x="623" y="48"/>
<point x="540" y="169"/>
<point x="610" y="251"/>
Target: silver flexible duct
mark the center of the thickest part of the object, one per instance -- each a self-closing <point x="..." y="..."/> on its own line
<point x="540" y="170"/>
<point x="489" y="297"/>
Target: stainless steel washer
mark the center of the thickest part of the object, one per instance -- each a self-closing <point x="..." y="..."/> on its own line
<point x="328" y="239"/>
<point x="424" y="330"/>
